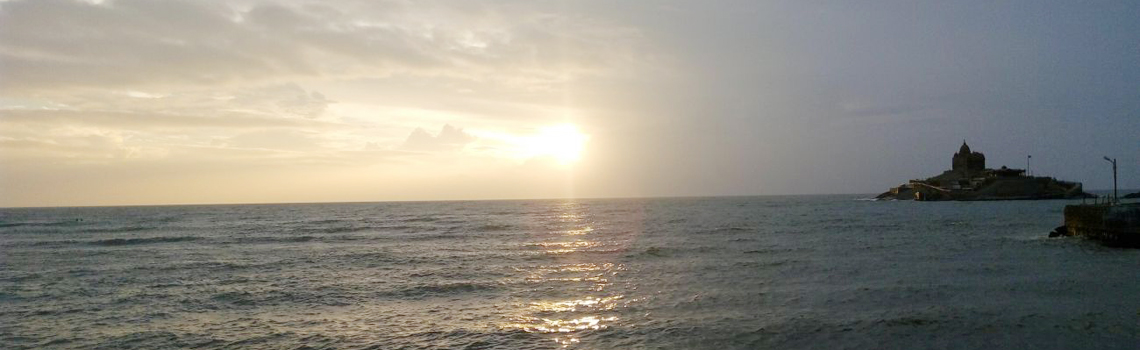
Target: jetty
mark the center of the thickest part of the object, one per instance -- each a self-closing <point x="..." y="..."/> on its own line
<point x="1114" y="223"/>
<point x="969" y="180"/>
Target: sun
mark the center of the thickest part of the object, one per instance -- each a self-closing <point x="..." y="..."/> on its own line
<point x="563" y="143"/>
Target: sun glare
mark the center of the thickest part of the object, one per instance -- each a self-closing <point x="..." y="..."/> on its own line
<point x="563" y="143"/>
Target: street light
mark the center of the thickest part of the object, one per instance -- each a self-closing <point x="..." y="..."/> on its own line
<point x="1113" y="161"/>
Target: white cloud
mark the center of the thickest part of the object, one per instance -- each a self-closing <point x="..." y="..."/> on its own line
<point x="249" y="86"/>
<point x="448" y="138"/>
<point x="48" y="45"/>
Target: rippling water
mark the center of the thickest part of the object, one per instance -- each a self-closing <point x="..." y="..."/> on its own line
<point x="807" y="272"/>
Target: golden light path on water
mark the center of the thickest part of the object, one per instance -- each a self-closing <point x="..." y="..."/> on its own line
<point x="570" y="239"/>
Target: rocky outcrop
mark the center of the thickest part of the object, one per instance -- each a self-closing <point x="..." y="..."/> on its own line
<point x="1059" y="231"/>
<point x="1018" y="188"/>
<point x="969" y="180"/>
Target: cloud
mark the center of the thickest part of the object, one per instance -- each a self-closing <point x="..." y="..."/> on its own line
<point x="449" y="138"/>
<point x="279" y="140"/>
<point x="79" y="146"/>
<point x="57" y="44"/>
<point x="180" y="75"/>
<point x="309" y="105"/>
<point x="146" y="120"/>
<point x="48" y="45"/>
<point x="279" y="100"/>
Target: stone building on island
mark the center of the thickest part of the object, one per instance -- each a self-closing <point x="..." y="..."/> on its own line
<point x="966" y="162"/>
<point x="969" y="179"/>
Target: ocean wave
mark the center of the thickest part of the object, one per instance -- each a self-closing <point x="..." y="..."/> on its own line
<point x="119" y="229"/>
<point x="405" y="228"/>
<point x="420" y="219"/>
<point x="446" y="289"/>
<point x="503" y="338"/>
<point x="8" y="297"/>
<point x="728" y="229"/>
<point x="655" y="251"/>
<point x="68" y="222"/>
<point x="19" y="276"/>
<point x="322" y="221"/>
<point x="342" y="229"/>
<point x="55" y="243"/>
<point x="275" y="239"/>
<point x="137" y="241"/>
<point x="329" y="238"/>
<point x="493" y="227"/>
<point x="157" y="340"/>
<point x="866" y="277"/>
<point x="241" y="298"/>
<point x="211" y="266"/>
<point x="326" y="229"/>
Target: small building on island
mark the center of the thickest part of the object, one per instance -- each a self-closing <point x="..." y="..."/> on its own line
<point x="967" y="163"/>
<point x="969" y="179"/>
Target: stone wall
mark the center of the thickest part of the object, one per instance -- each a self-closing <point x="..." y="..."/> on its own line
<point x="1113" y="224"/>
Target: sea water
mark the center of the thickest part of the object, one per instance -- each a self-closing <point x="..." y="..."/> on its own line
<point x="797" y="272"/>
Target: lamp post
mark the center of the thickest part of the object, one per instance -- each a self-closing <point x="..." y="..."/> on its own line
<point x="1113" y="161"/>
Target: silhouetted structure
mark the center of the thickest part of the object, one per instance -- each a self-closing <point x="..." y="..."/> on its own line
<point x="966" y="162"/>
<point x="969" y="179"/>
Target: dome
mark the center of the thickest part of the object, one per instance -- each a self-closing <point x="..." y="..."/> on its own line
<point x="965" y="149"/>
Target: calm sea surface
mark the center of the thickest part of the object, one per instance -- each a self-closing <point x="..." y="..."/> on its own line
<point x="800" y="272"/>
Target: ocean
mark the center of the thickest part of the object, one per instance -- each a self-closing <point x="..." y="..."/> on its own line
<point x="779" y="272"/>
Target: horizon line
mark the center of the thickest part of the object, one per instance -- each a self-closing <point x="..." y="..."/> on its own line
<point x="459" y="200"/>
<point x="429" y="200"/>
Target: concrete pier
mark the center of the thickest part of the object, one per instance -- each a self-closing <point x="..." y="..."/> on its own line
<point x="1117" y="225"/>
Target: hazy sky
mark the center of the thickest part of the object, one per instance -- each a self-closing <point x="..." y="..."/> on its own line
<point x="147" y="102"/>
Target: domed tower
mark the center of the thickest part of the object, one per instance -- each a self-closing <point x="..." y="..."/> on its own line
<point x="966" y="162"/>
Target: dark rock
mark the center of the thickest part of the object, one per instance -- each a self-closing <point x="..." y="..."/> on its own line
<point x="1060" y="231"/>
<point x="1132" y="195"/>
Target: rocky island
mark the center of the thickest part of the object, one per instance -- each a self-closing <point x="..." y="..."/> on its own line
<point x="969" y="180"/>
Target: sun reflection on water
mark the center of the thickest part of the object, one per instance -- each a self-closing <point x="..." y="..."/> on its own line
<point x="564" y="247"/>
<point x="606" y="303"/>
<point x="581" y="231"/>
<point x="545" y="325"/>
<point x="575" y="301"/>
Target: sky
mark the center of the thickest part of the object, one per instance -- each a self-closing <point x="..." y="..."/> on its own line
<point x="121" y="102"/>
